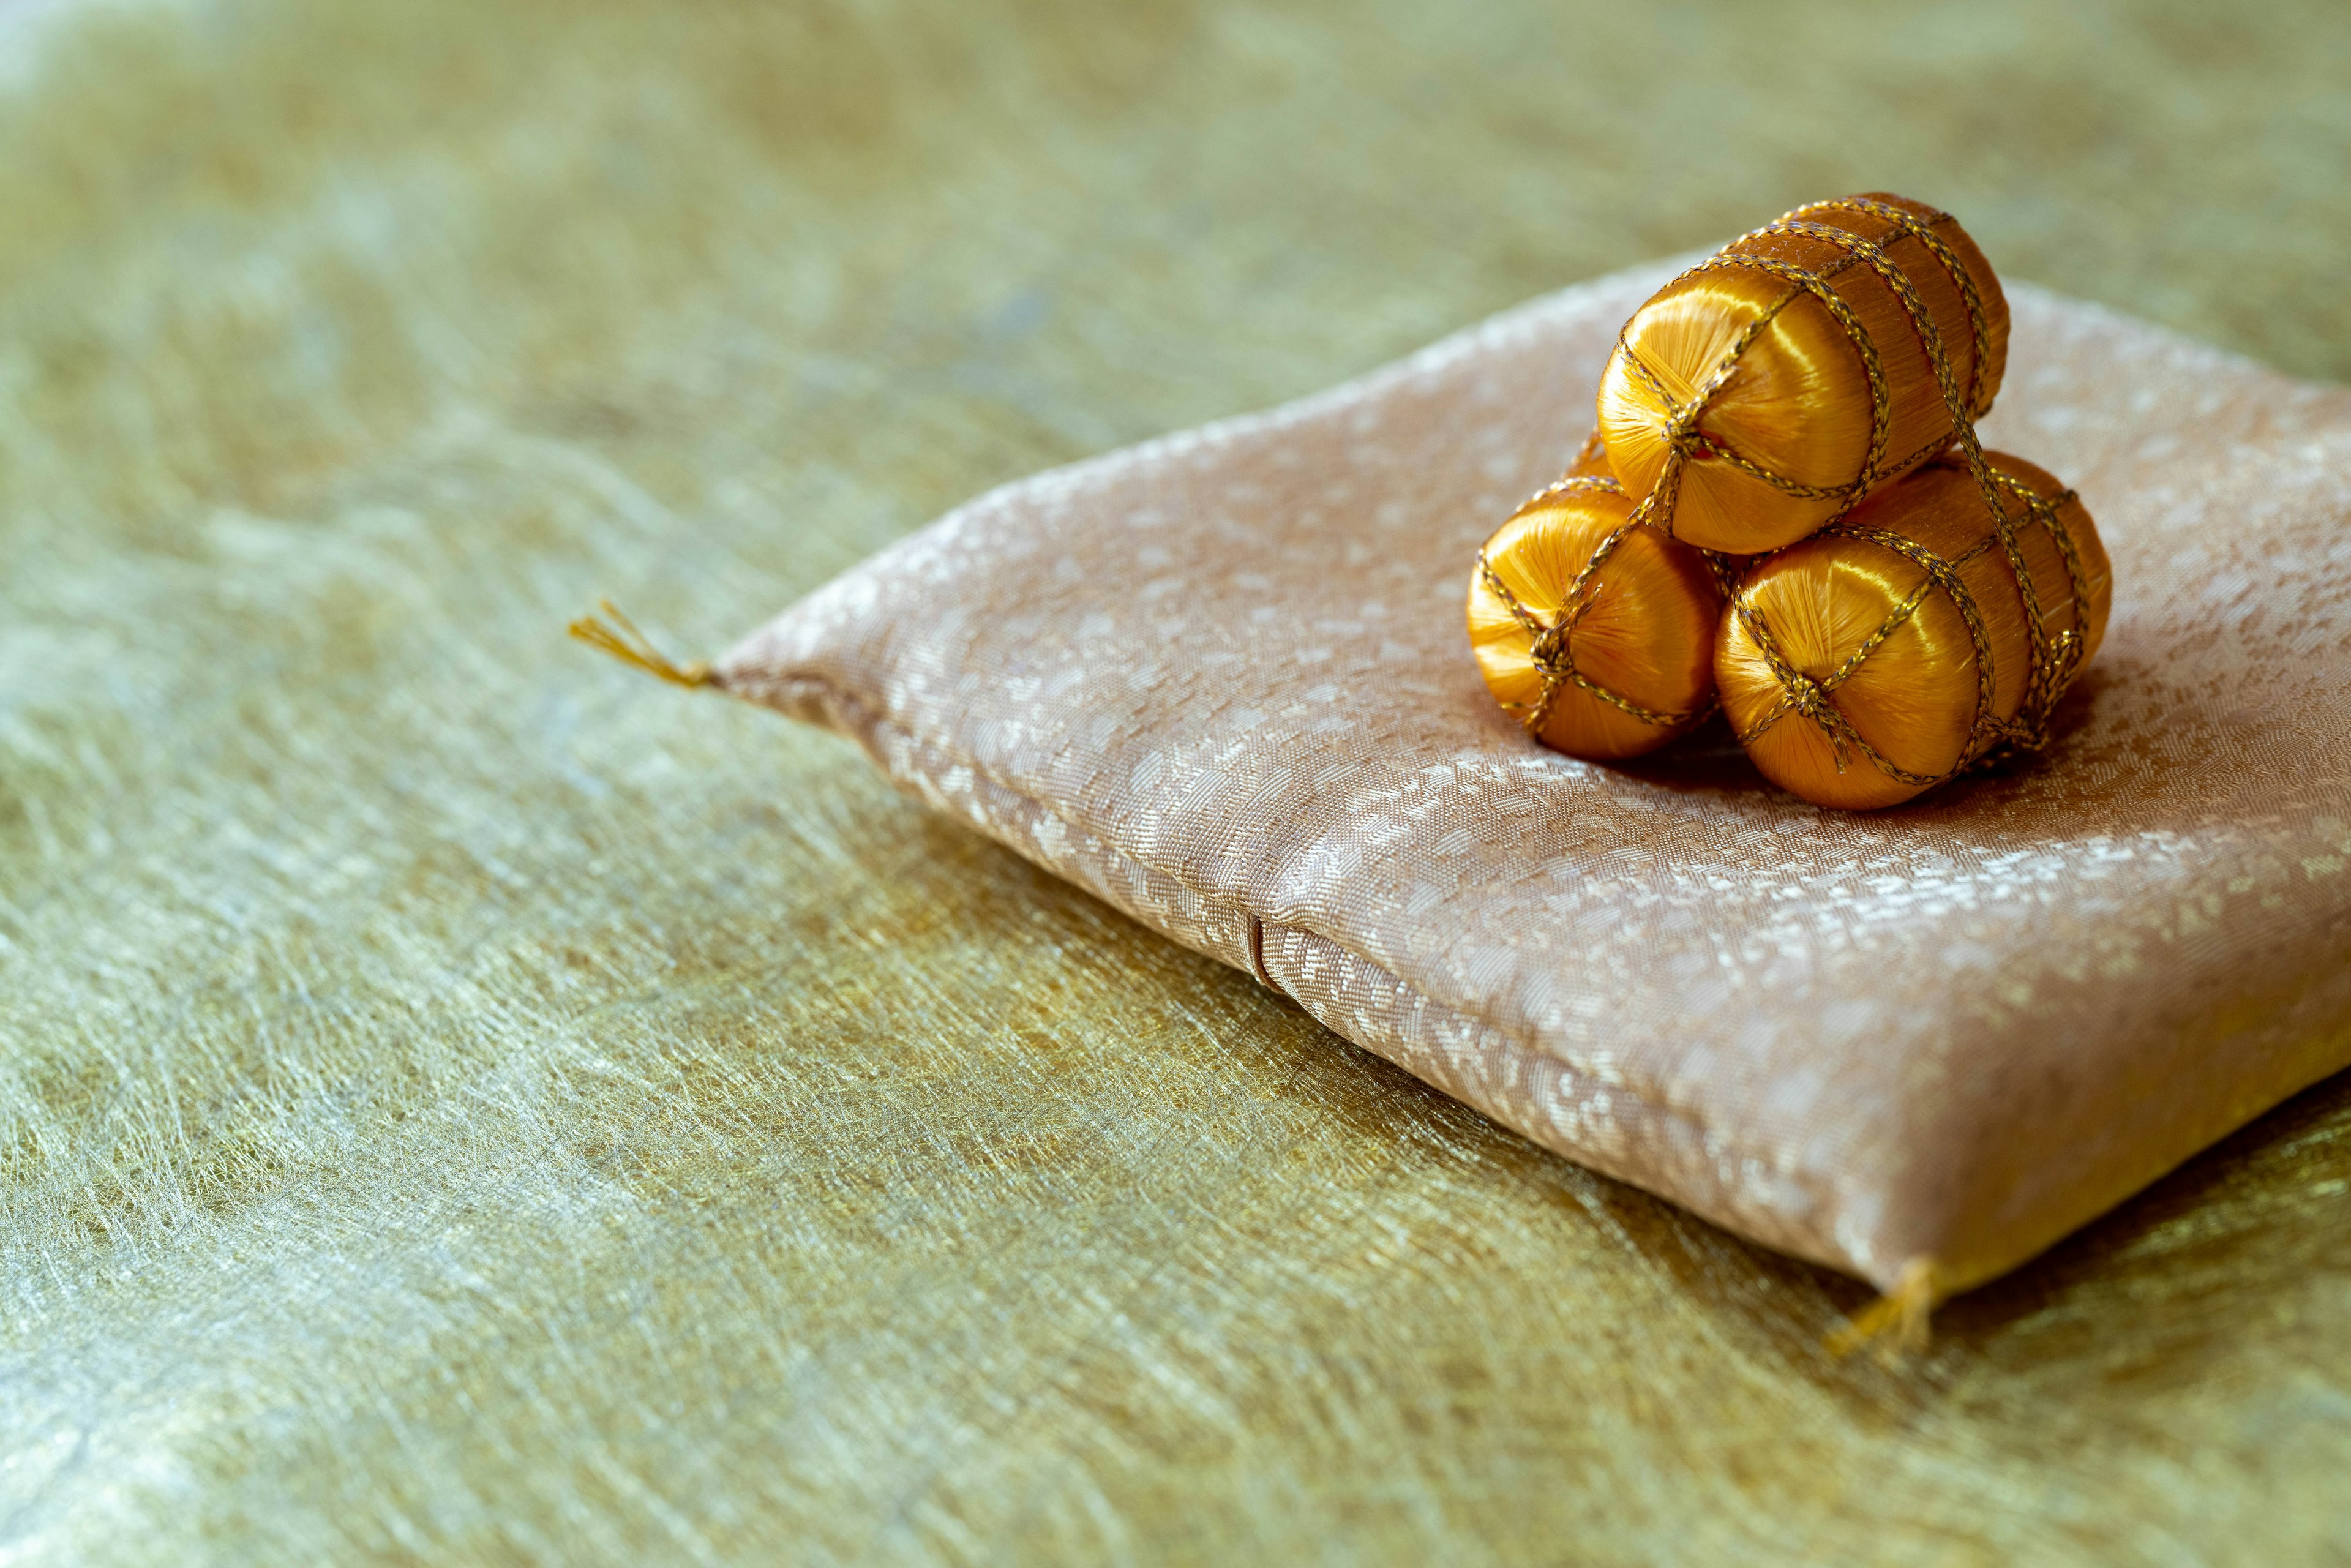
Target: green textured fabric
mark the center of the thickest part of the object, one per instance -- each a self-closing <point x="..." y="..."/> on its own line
<point x="465" y="1103"/>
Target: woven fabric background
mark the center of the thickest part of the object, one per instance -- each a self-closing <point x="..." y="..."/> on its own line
<point x="464" y="1103"/>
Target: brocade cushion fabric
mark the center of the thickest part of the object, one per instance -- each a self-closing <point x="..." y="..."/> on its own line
<point x="1221" y="680"/>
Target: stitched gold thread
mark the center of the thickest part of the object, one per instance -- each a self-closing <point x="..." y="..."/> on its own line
<point x="1550" y="646"/>
<point x="2053" y="657"/>
<point x="2052" y="660"/>
<point x="1679" y="425"/>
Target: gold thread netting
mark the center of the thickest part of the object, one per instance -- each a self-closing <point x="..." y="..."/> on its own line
<point x="1590" y="628"/>
<point x="1814" y="329"/>
<point x="1898" y="648"/>
<point x="1771" y="387"/>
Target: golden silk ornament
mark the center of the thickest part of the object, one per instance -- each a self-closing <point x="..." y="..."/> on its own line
<point x="1936" y="626"/>
<point x="1771" y="387"/>
<point x="1593" y="629"/>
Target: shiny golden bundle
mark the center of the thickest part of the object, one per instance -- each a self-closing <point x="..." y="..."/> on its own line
<point x="1888" y="651"/>
<point x="1784" y="511"/>
<point x="1595" y="630"/>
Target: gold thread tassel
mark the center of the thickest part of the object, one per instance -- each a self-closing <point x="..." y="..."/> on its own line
<point x="624" y="642"/>
<point x="1895" y="1324"/>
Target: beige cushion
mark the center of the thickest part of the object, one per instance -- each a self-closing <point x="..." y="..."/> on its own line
<point x="1221" y="680"/>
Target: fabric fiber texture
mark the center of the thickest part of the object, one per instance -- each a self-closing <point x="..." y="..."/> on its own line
<point x="1221" y="680"/>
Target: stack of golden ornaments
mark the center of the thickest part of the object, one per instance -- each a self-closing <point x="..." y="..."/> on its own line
<point x="1784" y="512"/>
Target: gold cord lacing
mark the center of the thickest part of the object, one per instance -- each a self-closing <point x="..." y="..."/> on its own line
<point x="1551" y="645"/>
<point x="2054" y="659"/>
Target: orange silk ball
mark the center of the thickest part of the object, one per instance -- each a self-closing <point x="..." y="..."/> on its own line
<point x="1913" y="697"/>
<point x="1739" y="389"/>
<point x="1643" y="639"/>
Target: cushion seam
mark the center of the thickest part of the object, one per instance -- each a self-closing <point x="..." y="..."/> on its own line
<point x="878" y="718"/>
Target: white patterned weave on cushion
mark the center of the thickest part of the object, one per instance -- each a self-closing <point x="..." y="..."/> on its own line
<point x="1221" y="680"/>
